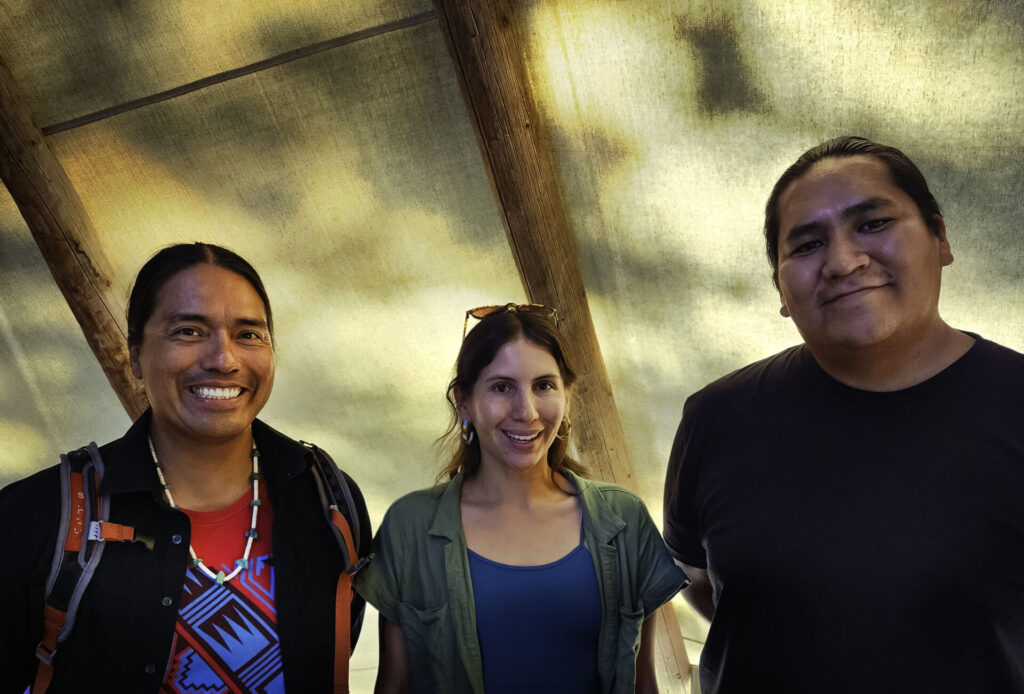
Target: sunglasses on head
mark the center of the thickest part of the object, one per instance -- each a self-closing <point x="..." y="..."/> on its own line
<point x="484" y="311"/>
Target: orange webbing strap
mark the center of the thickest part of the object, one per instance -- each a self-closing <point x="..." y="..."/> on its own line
<point x="342" y="608"/>
<point x="53" y="622"/>
<point x="339" y="522"/>
<point x="116" y="533"/>
<point x="342" y="632"/>
<point x="77" y="525"/>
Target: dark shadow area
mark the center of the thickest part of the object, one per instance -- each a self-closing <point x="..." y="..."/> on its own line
<point x="726" y="83"/>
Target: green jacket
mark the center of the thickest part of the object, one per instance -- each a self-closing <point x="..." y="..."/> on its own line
<point x="419" y="580"/>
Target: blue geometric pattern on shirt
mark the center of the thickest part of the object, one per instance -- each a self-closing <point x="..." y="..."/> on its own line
<point x="247" y="578"/>
<point x="238" y="638"/>
<point x="196" y="675"/>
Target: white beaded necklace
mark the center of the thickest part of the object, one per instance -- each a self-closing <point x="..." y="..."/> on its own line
<point x="250" y="534"/>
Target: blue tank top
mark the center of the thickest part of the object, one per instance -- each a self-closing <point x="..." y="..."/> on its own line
<point x="538" y="625"/>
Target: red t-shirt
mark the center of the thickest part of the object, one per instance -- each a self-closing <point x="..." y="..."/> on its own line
<point x="226" y="636"/>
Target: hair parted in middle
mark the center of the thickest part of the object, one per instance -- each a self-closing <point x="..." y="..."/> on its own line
<point x="168" y="262"/>
<point x="904" y="174"/>
<point x="479" y="349"/>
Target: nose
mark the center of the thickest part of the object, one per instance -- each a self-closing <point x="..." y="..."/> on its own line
<point x="219" y="354"/>
<point x="525" y="408"/>
<point x="844" y="255"/>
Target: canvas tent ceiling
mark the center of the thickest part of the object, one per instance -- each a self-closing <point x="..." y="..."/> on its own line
<point x="352" y="179"/>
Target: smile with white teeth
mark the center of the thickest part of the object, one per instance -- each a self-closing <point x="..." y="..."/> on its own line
<point x="517" y="437"/>
<point x="216" y="393"/>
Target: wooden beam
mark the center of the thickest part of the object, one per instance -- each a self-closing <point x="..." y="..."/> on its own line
<point x="67" y="240"/>
<point x="486" y="51"/>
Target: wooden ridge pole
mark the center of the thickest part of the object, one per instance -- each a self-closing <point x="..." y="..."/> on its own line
<point x="66" y="238"/>
<point x="486" y="52"/>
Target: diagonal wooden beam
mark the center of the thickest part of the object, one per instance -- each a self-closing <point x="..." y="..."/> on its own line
<point x="486" y="52"/>
<point x="67" y="240"/>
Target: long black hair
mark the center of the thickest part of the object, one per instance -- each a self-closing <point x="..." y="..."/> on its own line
<point x="167" y="263"/>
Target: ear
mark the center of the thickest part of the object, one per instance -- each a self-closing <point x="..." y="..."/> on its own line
<point x="945" y="252"/>
<point x="568" y="398"/>
<point x="461" y="403"/>
<point x="783" y="309"/>
<point x="133" y="360"/>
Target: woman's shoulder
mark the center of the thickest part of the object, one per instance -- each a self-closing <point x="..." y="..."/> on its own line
<point x="416" y="509"/>
<point x="608" y="490"/>
<point x="622" y="501"/>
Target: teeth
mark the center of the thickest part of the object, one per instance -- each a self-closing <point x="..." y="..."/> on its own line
<point x="217" y="393"/>
<point x="516" y="437"/>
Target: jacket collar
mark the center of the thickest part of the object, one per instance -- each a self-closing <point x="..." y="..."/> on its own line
<point x="448" y="518"/>
<point x="598" y="513"/>
<point x="128" y="464"/>
<point x="604" y="522"/>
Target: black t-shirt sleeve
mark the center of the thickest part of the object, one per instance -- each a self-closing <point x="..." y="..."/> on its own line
<point x="682" y="533"/>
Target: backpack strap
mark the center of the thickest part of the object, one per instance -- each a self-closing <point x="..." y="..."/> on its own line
<point x="83" y="528"/>
<point x="334" y="496"/>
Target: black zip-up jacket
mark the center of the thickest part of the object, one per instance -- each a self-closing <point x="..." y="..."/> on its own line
<point x="121" y="641"/>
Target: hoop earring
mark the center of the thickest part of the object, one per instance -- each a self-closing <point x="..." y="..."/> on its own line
<point x="468" y="433"/>
<point x="567" y="425"/>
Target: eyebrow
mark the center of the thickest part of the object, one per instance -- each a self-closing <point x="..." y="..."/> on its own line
<point x="866" y="205"/>
<point x="509" y="378"/>
<point x="200" y="318"/>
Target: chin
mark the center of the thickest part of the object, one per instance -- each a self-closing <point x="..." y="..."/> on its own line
<point x="523" y="465"/>
<point x="219" y="431"/>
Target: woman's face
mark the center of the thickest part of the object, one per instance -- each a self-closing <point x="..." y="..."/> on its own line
<point x="205" y="359"/>
<point x="517" y="405"/>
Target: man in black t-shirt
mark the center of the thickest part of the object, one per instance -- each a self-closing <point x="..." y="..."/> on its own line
<point x="851" y="511"/>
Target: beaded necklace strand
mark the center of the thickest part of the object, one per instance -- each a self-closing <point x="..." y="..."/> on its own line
<point x="250" y="534"/>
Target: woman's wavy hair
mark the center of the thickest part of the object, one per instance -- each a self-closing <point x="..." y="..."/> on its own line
<point x="479" y="349"/>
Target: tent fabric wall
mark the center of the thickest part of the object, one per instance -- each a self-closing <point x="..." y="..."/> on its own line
<point x="671" y="121"/>
<point x="333" y="175"/>
<point x="86" y="55"/>
<point x="53" y="393"/>
<point x="352" y="179"/>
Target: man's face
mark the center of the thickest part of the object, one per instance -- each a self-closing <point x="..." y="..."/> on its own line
<point x="858" y="266"/>
<point x="205" y="360"/>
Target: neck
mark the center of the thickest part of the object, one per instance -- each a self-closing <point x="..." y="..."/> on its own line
<point x="897" y="364"/>
<point x="204" y="476"/>
<point x="501" y="485"/>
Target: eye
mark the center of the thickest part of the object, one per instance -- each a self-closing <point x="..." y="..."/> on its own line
<point x="806" y="247"/>
<point x="185" y="331"/>
<point x="251" y="336"/>
<point x="501" y="388"/>
<point x="874" y="225"/>
<point x="545" y="386"/>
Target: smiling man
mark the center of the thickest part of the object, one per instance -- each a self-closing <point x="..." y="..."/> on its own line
<point x="211" y="566"/>
<point x="851" y="511"/>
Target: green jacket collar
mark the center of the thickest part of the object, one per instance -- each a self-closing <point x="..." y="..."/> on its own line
<point x="604" y="522"/>
<point x="447" y="521"/>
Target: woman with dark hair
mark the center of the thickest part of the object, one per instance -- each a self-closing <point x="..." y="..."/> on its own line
<point x="231" y="578"/>
<point x="516" y="574"/>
